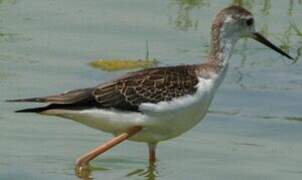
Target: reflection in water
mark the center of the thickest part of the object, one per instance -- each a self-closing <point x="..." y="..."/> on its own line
<point x="245" y="3"/>
<point x="287" y="39"/>
<point x="3" y="75"/>
<point x="247" y="144"/>
<point x="150" y="173"/>
<point x="7" y="2"/>
<point x="266" y="7"/>
<point x="5" y="35"/>
<point x="284" y="39"/>
<point x="298" y="32"/>
<point x="299" y="119"/>
<point x="289" y="118"/>
<point x="183" y="20"/>
<point x="225" y="112"/>
<point x="86" y="174"/>
<point x="12" y="37"/>
<point x="291" y="6"/>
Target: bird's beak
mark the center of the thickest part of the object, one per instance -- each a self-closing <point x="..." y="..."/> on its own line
<point x="258" y="37"/>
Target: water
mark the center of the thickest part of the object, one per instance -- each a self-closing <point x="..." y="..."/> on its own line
<point x="253" y="130"/>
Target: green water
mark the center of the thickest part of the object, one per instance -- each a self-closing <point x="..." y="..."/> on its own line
<point x="253" y="130"/>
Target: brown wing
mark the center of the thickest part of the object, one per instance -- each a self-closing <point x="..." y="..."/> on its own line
<point x="150" y="85"/>
<point x="126" y="93"/>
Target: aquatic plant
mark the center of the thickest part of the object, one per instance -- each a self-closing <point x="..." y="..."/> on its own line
<point x="122" y="64"/>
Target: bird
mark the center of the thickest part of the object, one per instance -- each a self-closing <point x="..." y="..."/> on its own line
<point x="154" y="104"/>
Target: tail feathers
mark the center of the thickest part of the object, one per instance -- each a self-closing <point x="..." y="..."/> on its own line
<point x="36" y="99"/>
<point x="49" y="107"/>
<point x="30" y="110"/>
<point x="33" y="110"/>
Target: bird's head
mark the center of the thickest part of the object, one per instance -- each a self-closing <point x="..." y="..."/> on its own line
<point x="235" y="22"/>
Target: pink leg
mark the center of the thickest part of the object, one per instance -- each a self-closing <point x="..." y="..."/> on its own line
<point x="83" y="161"/>
<point x="152" y="153"/>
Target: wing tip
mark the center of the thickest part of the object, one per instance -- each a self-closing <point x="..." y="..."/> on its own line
<point x="36" y="99"/>
<point x="32" y="110"/>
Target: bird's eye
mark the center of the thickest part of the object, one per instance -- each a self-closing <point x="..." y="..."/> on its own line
<point x="250" y="22"/>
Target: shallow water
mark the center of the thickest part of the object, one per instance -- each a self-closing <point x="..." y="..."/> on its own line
<point x="253" y="130"/>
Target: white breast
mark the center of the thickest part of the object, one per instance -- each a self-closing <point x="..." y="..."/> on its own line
<point x="181" y="114"/>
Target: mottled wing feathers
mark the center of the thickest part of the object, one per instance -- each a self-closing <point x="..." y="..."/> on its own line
<point x="126" y="93"/>
<point x="151" y="85"/>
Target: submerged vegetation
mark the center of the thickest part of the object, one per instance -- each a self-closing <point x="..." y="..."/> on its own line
<point x="185" y="19"/>
<point x="123" y="64"/>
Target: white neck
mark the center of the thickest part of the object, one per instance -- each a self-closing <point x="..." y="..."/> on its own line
<point x="227" y="44"/>
<point x="222" y="45"/>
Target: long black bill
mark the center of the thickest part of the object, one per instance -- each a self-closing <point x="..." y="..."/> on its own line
<point x="258" y="37"/>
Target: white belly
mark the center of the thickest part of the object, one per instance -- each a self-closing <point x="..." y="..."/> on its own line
<point x="160" y="121"/>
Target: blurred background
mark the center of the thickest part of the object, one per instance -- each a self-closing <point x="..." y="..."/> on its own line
<point x="253" y="130"/>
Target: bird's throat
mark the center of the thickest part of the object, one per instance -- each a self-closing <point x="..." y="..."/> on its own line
<point x="222" y="45"/>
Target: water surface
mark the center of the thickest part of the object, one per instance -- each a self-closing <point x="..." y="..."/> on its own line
<point x="253" y="130"/>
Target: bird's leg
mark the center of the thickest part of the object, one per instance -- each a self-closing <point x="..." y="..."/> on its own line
<point x="83" y="161"/>
<point x="152" y="153"/>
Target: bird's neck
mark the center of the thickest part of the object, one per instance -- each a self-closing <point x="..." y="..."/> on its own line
<point x="222" y="45"/>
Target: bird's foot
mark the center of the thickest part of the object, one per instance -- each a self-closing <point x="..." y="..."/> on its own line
<point x="83" y="170"/>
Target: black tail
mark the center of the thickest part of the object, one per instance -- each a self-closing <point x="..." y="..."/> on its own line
<point x="53" y="106"/>
<point x="30" y="110"/>
<point x="33" y="110"/>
